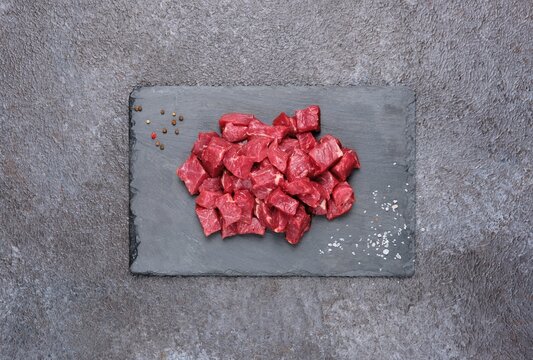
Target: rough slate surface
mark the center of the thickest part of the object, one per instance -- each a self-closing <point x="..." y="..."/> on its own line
<point x="66" y="72"/>
<point x="376" y="238"/>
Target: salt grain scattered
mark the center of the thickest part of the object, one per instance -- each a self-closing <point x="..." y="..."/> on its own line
<point x="398" y="256"/>
<point x="385" y="251"/>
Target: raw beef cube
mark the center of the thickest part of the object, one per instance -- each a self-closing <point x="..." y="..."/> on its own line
<point x="297" y="226"/>
<point x="299" y="165"/>
<point x="256" y="149"/>
<point x="265" y="164"/>
<point x="229" y="229"/>
<point x="308" y="119"/>
<point x="245" y="200"/>
<point x="309" y="192"/>
<point x="228" y="182"/>
<point x="238" y="165"/>
<point x="243" y="184"/>
<point x="321" y="208"/>
<point x="298" y="186"/>
<point x="192" y="174"/>
<point x="342" y="200"/>
<point x="201" y="143"/>
<point x="264" y="181"/>
<point x="253" y="227"/>
<point x="235" y="119"/>
<point x="229" y="210"/>
<point x="207" y="199"/>
<point x="289" y="145"/>
<point x="326" y="153"/>
<point x="312" y="198"/>
<point x="231" y="183"/>
<point x="264" y="213"/>
<point x="213" y="155"/>
<point x="346" y="164"/>
<point x="279" y="221"/>
<point x="282" y="201"/>
<point x="234" y="133"/>
<point x="284" y="120"/>
<point x="208" y="219"/>
<point x="211" y="184"/>
<point x="258" y="129"/>
<point x="277" y="157"/>
<point x="306" y="140"/>
<point x="316" y="199"/>
<point x="328" y="181"/>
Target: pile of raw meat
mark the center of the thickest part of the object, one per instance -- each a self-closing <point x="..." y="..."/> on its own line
<point x="258" y="176"/>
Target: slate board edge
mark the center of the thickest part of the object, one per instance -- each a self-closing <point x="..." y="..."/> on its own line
<point x="410" y="132"/>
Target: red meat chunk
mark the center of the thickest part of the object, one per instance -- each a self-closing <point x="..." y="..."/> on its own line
<point x="256" y="149"/>
<point x="299" y="165"/>
<point x="321" y="208"/>
<point x="345" y="165"/>
<point x="238" y="165"/>
<point x="209" y="220"/>
<point x="229" y="210"/>
<point x="229" y="230"/>
<point x="235" y="133"/>
<point x="253" y="227"/>
<point x="328" y="181"/>
<point x="325" y="153"/>
<point x="279" y="221"/>
<point x="277" y="157"/>
<point x="342" y="200"/>
<point x="284" y="120"/>
<point x="308" y="119"/>
<point x="207" y="199"/>
<point x="306" y="140"/>
<point x="235" y="119"/>
<point x="264" y="181"/>
<point x="265" y="164"/>
<point x="263" y="213"/>
<point x="192" y="174"/>
<point x="297" y="226"/>
<point x="241" y="228"/>
<point x="245" y="200"/>
<point x="258" y="129"/>
<point x="213" y="155"/>
<point x="211" y="184"/>
<point x="309" y="192"/>
<point x="288" y="145"/>
<point x="278" y="199"/>
<point x="201" y="143"/>
<point x="231" y="183"/>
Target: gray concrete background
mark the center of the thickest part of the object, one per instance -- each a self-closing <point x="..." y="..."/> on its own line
<point x="67" y="68"/>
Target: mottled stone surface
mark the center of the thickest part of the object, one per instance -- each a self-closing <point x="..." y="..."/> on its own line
<point x="67" y="69"/>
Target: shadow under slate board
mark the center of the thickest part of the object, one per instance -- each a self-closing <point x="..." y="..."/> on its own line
<point x="376" y="238"/>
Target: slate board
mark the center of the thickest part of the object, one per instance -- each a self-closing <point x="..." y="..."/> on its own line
<point x="379" y="122"/>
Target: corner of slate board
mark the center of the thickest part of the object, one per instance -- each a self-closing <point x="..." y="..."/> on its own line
<point x="165" y="237"/>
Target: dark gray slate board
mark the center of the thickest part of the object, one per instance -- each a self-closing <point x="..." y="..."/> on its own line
<point x="374" y="239"/>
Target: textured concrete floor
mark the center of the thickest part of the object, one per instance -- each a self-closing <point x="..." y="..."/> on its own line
<point x="66" y="70"/>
